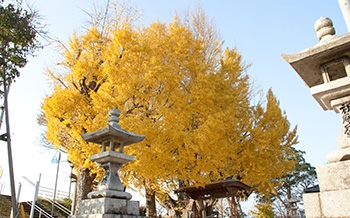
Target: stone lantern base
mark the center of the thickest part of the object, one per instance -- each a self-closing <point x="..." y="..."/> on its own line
<point x="333" y="199"/>
<point x="108" y="208"/>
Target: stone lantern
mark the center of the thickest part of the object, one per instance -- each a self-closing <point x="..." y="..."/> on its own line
<point x="325" y="69"/>
<point x="109" y="198"/>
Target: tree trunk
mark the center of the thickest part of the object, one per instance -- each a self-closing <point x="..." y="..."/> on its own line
<point x="199" y="208"/>
<point x="208" y="210"/>
<point x="151" y="203"/>
<point x="172" y="206"/>
<point x="209" y="207"/>
<point x="233" y="207"/>
<point x="84" y="186"/>
<point x="289" y="196"/>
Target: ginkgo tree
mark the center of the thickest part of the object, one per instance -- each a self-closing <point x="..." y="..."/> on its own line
<point x="176" y="84"/>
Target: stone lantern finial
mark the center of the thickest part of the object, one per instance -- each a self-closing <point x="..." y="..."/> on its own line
<point x="113" y="118"/>
<point x="324" y="29"/>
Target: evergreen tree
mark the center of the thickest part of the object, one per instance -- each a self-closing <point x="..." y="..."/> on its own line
<point x="293" y="184"/>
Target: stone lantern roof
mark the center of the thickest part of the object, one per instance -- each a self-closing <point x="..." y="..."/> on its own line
<point x="110" y="133"/>
<point x="307" y="62"/>
<point x="113" y="134"/>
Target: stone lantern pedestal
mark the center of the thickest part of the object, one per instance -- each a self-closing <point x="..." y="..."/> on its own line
<point x="110" y="200"/>
<point x="325" y="69"/>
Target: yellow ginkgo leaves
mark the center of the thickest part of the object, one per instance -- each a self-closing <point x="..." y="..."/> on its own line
<point x="195" y="109"/>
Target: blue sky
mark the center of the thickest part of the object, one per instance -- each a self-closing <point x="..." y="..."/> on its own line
<point x="260" y="30"/>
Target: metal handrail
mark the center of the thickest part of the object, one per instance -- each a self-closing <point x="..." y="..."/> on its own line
<point x="60" y="206"/>
<point x="49" y="193"/>
<point x="40" y="210"/>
